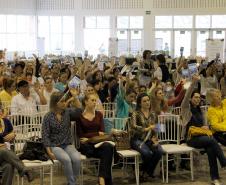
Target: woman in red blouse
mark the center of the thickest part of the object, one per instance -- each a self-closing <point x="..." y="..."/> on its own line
<point x="90" y="124"/>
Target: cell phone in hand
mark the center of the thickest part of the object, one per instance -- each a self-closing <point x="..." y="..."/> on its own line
<point x="192" y="69"/>
<point x="101" y="66"/>
<point x="185" y="73"/>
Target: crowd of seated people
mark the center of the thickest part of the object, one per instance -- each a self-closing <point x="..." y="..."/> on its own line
<point x="143" y="95"/>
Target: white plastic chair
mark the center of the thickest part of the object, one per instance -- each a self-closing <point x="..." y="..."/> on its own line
<point x="30" y="127"/>
<point x="169" y="137"/>
<point x="127" y="153"/>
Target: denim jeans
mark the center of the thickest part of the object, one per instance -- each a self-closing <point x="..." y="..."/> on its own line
<point x="70" y="158"/>
<point x="213" y="151"/>
<point x="150" y="154"/>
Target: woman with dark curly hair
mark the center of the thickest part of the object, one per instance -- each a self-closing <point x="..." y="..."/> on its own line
<point x="143" y="135"/>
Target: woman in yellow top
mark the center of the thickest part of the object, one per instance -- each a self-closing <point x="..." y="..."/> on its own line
<point x="7" y="93"/>
<point x="217" y="115"/>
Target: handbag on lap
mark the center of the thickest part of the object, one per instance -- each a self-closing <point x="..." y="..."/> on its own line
<point x="198" y="131"/>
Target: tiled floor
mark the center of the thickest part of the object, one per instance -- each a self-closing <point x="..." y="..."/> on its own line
<point x="201" y="178"/>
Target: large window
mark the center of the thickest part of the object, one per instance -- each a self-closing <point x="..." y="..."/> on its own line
<point x="173" y="32"/>
<point x="163" y="22"/>
<point x="17" y="33"/>
<point x="207" y="25"/>
<point x="202" y="36"/>
<point x="218" y="34"/>
<point x="96" y="34"/>
<point x="219" y="21"/>
<point x="202" y="21"/>
<point x="182" y="22"/>
<point x="163" y="41"/>
<point x="58" y="33"/>
<point x="130" y="34"/>
<point x="183" y="39"/>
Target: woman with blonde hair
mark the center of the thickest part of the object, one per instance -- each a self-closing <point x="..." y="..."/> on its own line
<point x="89" y="126"/>
<point x="216" y="114"/>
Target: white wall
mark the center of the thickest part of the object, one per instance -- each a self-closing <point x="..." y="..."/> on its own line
<point x="18" y="7"/>
<point x="113" y="8"/>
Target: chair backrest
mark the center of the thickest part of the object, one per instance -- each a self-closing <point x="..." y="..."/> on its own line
<point x="176" y="110"/>
<point x="24" y="133"/>
<point x="109" y="110"/>
<point x="24" y="119"/>
<point x="109" y="106"/>
<point x="169" y="128"/>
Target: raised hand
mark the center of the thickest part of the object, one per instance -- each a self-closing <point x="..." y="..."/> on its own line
<point x="195" y="78"/>
<point x="74" y="91"/>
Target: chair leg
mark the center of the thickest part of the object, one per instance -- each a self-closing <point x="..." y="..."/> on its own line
<point x="137" y="169"/>
<point x="81" y="179"/>
<point x="123" y="166"/>
<point x="41" y="176"/>
<point x="167" y="168"/>
<point x="51" y="175"/>
<point x="18" y="179"/>
<point x="191" y="166"/>
<point x="163" y="173"/>
<point x="22" y="181"/>
<point x="177" y="163"/>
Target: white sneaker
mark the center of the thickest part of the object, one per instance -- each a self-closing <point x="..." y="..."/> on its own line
<point x="216" y="182"/>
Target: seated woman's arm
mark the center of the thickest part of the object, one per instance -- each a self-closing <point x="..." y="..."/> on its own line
<point x="74" y="100"/>
<point x="120" y="98"/>
<point x="134" y="123"/>
<point x="10" y="136"/>
<point x="137" y="125"/>
<point x="46" y="131"/>
<point x="186" y="100"/>
<point x="176" y="99"/>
